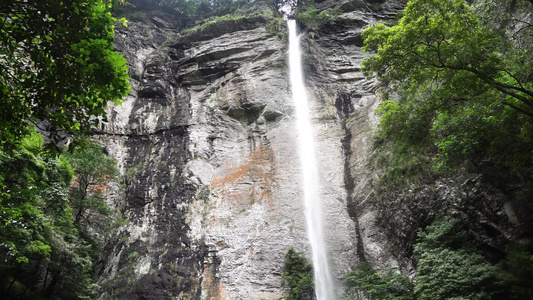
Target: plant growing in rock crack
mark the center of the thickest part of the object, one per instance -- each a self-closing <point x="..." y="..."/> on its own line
<point x="276" y="26"/>
<point x="297" y="276"/>
<point x="377" y="6"/>
<point x="216" y="21"/>
<point x="313" y="20"/>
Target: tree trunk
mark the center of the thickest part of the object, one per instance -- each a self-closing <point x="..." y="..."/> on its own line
<point x="52" y="286"/>
<point x="45" y="281"/>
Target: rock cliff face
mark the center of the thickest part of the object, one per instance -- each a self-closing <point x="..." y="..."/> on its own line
<point x="339" y="57"/>
<point x="206" y="145"/>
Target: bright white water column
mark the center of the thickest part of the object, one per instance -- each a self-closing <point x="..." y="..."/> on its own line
<point x="324" y="285"/>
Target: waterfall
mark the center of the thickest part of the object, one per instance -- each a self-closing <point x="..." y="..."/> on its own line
<point x="324" y="285"/>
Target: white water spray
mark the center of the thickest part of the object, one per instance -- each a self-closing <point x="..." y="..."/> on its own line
<point x="324" y="285"/>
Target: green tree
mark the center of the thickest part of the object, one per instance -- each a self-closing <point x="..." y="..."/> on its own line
<point x="92" y="172"/>
<point x="58" y="67"/>
<point x="41" y="251"/>
<point x="366" y="283"/>
<point x="23" y="226"/>
<point x="297" y="276"/>
<point x="445" y="44"/>
<point x="463" y="90"/>
<point x="449" y="267"/>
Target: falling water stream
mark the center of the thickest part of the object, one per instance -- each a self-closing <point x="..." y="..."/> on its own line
<point x="324" y="285"/>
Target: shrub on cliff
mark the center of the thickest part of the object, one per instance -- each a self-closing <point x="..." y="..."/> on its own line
<point x="201" y="9"/>
<point x="93" y="171"/>
<point x="313" y="20"/>
<point x="449" y="267"/>
<point x="366" y="283"/>
<point x="297" y="276"/>
<point x="42" y="251"/>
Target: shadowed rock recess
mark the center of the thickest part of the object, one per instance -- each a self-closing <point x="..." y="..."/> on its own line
<point x="206" y="144"/>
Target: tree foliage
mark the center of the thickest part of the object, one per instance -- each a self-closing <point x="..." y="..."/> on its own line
<point x="366" y="283"/>
<point x="462" y="86"/>
<point x="449" y="267"/>
<point x="445" y="44"/>
<point x="58" y="70"/>
<point x="93" y="171"/>
<point x="43" y="252"/>
<point x="297" y="276"/>
<point x="313" y="20"/>
<point x="517" y="272"/>
<point x="198" y="9"/>
<point x="58" y="67"/>
<point x="457" y="82"/>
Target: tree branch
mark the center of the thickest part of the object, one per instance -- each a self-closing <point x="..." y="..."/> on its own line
<point x="518" y="108"/>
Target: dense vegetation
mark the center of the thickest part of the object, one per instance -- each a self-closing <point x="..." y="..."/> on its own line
<point x="58" y="71"/>
<point x="464" y="87"/>
<point x="47" y="203"/>
<point x="201" y="9"/>
<point x="312" y="20"/>
<point x="297" y="276"/>
<point x="58" y="68"/>
<point x="457" y="82"/>
<point x="450" y="266"/>
<point x="366" y="283"/>
<point x="195" y="16"/>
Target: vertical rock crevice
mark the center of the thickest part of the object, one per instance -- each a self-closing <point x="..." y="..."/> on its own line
<point x="345" y="108"/>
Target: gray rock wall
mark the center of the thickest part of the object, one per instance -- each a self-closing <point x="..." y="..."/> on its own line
<point x="207" y="148"/>
<point x="153" y="256"/>
<point x="337" y="52"/>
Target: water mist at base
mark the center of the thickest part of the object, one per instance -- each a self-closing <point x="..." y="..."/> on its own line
<point x="324" y="284"/>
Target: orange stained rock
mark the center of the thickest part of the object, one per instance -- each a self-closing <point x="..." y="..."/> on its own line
<point x="258" y="171"/>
